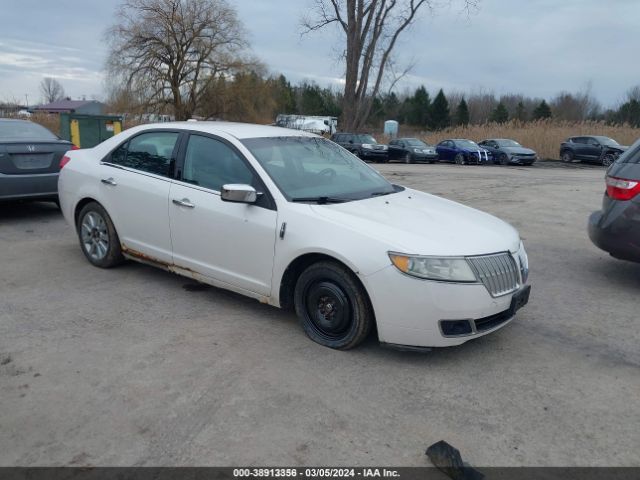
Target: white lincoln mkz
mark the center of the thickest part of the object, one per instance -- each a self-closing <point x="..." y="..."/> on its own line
<point x="296" y="221"/>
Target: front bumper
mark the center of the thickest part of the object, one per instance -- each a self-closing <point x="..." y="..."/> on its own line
<point x="522" y="160"/>
<point x="410" y="311"/>
<point x="44" y="185"/>
<point x="616" y="232"/>
<point x="374" y="154"/>
<point x="425" y="157"/>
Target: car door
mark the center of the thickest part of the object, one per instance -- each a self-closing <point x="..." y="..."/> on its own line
<point x="229" y="242"/>
<point x="593" y="149"/>
<point x="395" y="149"/>
<point x="445" y="150"/>
<point x="135" y="180"/>
<point x="580" y="148"/>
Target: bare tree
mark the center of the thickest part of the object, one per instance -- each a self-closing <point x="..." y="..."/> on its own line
<point x="51" y="90"/>
<point x="170" y="51"/>
<point x="372" y="29"/>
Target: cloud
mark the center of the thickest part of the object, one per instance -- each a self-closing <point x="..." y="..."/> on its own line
<point x="508" y="46"/>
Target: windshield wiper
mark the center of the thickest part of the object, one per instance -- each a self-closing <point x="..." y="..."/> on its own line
<point x="320" y="200"/>
<point x="380" y="194"/>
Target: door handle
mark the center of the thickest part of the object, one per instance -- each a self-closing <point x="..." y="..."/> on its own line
<point x="109" y="181"/>
<point x="185" y="202"/>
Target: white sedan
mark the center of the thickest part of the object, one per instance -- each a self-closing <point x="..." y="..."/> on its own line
<point x="296" y="221"/>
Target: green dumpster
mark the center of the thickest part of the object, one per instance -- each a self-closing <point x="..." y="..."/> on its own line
<point x="86" y="131"/>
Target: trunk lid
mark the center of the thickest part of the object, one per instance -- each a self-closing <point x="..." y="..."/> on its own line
<point x="20" y="158"/>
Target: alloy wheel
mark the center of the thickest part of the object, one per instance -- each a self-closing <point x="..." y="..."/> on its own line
<point x="95" y="236"/>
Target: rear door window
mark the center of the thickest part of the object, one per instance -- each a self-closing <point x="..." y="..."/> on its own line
<point x="149" y="152"/>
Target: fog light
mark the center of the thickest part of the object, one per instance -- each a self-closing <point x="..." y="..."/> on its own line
<point x="452" y="328"/>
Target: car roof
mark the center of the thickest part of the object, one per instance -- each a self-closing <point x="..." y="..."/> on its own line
<point x="237" y="130"/>
<point x="409" y="138"/>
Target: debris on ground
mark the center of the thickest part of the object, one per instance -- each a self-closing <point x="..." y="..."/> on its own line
<point x="449" y="461"/>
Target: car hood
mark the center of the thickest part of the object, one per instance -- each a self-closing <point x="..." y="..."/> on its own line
<point x="622" y="148"/>
<point x="517" y="150"/>
<point x="418" y="223"/>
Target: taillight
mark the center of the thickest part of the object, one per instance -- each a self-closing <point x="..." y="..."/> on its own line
<point x="621" y="188"/>
<point x="63" y="161"/>
<point x="73" y="147"/>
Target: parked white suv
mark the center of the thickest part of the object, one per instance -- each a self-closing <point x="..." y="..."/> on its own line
<point x="296" y="221"/>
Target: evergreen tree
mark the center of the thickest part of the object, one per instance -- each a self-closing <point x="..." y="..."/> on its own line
<point x="542" y="111"/>
<point x="418" y="112"/>
<point x="521" y="112"/>
<point x="391" y="107"/>
<point x="629" y="113"/>
<point x="440" y="115"/>
<point x="500" y="114"/>
<point x="462" y="113"/>
<point x="284" y="95"/>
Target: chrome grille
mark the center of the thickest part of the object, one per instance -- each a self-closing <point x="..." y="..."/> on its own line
<point x="498" y="273"/>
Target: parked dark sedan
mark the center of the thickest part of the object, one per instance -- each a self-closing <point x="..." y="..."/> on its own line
<point x="362" y="145"/>
<point x="29" y="160"/>
<point x="506" y="151"/>
<point x="593" y="149"/>
<point x="462" y="151"/>
<point x="616" y="228"/>
<point x="410" y="150"/>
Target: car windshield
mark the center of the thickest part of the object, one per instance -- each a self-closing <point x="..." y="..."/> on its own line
<point x="312" y="168"/>
<point x="365" y="139"/>
<point x="508" y="143"/>
<point x="414" y="142"/>
<point x="21" y="130"/>
<point x="466" y="144"/>
<point x="607" y="141"/>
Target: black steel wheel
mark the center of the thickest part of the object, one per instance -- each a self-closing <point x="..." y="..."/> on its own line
<point x="332" y="306"/>
<point x="98" y="237"/>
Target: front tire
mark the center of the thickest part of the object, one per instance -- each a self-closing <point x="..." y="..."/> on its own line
<point x="332" y="306"/>
<point x="503" y="159"/>
<point x="459" y="159"/>
<point x="608" y="160"/>
<point x="98" y="237"/>
<point x="408" y="158"/>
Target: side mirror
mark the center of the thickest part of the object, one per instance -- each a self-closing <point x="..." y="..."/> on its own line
<point x="350" y="141"/>
<point x="238" y="193"/>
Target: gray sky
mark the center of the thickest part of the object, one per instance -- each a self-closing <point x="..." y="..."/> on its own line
<point x="534" y="47"/>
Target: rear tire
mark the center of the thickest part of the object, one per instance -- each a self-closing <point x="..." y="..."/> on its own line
<point x="98" y="237"/>
<point x="333" y="308"/>
<point x="567" y="156"/>
<point x="459" y="159"/>
<point x="503" y="159"/>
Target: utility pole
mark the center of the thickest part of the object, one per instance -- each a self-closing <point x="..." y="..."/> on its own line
<point x="26" y="96"/>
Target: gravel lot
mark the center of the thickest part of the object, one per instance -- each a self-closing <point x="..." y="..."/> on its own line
<point x="133" y="366"/>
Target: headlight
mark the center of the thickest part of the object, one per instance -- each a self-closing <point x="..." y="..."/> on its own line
<point x="524" y="263"/>
<point x="447" y="269"/>
<point x="367" y="146"/>
<point x="417" y="150"/>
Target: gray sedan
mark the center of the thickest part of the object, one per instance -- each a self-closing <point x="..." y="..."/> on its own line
<point x="506" y="151"/>
<point x="30" y="158"/>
